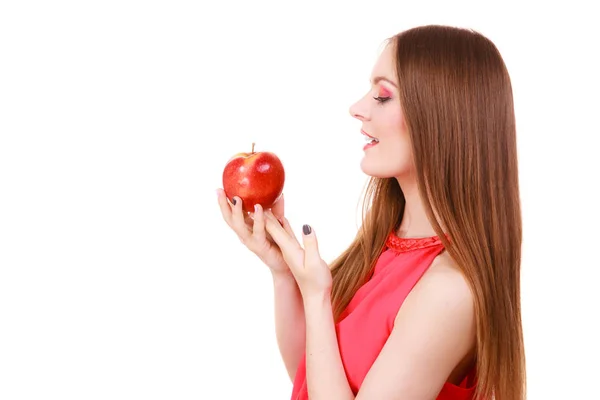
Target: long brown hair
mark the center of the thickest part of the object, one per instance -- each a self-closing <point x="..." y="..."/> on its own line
<point x="457" y="100"/>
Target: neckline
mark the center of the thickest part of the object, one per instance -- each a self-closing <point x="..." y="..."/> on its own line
<point x="402" y="245"/>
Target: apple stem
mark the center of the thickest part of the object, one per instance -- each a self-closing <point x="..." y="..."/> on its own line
<point x="253" y="147"/>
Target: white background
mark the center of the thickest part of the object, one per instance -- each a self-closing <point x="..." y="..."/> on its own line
<point x="118" y="277"/>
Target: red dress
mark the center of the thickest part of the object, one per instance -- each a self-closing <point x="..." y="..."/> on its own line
<point x="369" y="318"/>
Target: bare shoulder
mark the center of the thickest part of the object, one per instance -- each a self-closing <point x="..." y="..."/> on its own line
<point x="432" y="339"/>
<point x="441" y="309"/>
<point x="441" y="306"/>
<point x="444" y="287"/>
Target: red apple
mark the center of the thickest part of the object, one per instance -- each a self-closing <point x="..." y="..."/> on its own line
<point x="255" y="177"/>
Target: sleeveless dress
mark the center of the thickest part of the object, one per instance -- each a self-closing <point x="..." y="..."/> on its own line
<point x="367" y="322"/>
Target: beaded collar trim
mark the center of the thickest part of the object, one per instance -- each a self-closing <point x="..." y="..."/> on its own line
<point x="401" y="245"/>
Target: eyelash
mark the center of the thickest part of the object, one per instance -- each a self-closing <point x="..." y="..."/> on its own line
<point x="382" y="100"/>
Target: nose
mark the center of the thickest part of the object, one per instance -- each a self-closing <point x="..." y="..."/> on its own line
<point x="359" y="110"/>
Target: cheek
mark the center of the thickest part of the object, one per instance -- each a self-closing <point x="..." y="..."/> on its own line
<point x="399" y="144"/>
<point x="397" y="120"/>
<point x="390" y="119"/>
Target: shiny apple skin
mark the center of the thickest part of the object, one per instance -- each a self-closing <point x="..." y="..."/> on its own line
<point x="257" y="178"/>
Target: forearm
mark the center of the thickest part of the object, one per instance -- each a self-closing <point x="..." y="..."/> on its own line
<point x="290" y="327"/>
<point x="325" y="375"/>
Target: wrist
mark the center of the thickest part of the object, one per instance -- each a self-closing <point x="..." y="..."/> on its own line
<point x="317" y="300"/>
<point x="282" y="275"/>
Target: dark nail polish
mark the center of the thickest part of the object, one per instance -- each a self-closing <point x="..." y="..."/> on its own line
<point x="306" y="229"/>
<point x="233" y="201"/>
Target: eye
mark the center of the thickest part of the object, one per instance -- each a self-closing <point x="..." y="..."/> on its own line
<point x="383" y="95"/>
<point x="381" y="99"/>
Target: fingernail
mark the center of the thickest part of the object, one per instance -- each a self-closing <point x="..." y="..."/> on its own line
<point x="306" y="229"/>
<point x="234" y="201"/>
<point x="256" y="208"/>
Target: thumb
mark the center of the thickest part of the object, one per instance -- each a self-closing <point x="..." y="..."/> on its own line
<point x="311" y="247"/>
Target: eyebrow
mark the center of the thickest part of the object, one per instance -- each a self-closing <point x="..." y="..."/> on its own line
<point x="377" y="79"/>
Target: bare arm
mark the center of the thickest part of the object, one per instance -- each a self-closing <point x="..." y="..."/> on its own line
<point x="434" y="331"/>
<point x="325" y="375"/>
<point x="289" y="312"/>
<point x="289" y="321"/>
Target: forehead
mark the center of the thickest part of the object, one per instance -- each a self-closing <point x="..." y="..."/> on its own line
<point x="385" y="64"/>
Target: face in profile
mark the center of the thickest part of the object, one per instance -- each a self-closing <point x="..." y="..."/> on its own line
<point x="387" y="151"/>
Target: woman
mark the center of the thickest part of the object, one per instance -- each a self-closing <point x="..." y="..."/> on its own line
<point x="425" y="303"/>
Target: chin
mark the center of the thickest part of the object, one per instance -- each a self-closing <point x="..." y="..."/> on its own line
<point x="373" y="170"/>
<point x="378" y="169"/>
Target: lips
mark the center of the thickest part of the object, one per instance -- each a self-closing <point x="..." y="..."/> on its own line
<point x="370" y="139"/>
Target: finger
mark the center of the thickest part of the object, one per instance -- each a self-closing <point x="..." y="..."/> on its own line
<point x="239" y="220"/>
<point x="288" y="229"/>
<point x="311" y="247"/>
<point x="249" y="220"/>
<point x="225" y="207"/>
<point x="258" y="229"/>
<point x="279" y="207"/>
<point x="278" y="233"/>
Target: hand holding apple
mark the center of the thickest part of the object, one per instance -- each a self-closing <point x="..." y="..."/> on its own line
<point x="255" y="177"/>
<point x="252" y="233"/>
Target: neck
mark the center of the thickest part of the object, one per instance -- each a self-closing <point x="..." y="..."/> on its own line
<point x="415" y="222"/>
